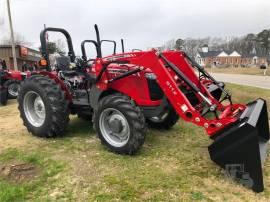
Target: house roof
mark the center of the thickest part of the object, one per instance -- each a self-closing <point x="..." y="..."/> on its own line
<point x="209" y="54"/>
<point x="226" y="54"/>
<point x="251" y="55"/>
<point x="222" y="54"/>
<point x="235" y="54"/>
<point x="8" y="46"/>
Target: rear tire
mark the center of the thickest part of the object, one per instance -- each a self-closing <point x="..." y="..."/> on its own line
<point x="43" y="107"/>
<point x="166" y="121"/>
<point x="120" y="124"/>
<point x="13" y="88"/>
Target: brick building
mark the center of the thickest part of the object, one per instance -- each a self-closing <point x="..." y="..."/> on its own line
<point x="223" y="59"/>
<point x="23" y="54"/>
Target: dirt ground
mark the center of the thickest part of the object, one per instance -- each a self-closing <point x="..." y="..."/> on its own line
<point x="13" y="133"/>
<point x="18" y="172"/>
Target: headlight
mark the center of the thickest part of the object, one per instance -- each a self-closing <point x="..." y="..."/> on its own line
<point x="151" y="76"/>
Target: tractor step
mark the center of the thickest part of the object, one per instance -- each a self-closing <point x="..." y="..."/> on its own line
<point x="242" y="148"/>
<point x="81" y="98"/>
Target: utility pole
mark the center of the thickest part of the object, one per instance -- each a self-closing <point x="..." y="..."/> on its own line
<point x="12" y="37"/>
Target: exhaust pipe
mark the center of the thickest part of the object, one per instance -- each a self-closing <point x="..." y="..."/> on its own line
<point x="242" y="148"/>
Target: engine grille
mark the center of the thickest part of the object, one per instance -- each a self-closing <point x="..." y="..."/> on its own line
<point x="154" y="90"/>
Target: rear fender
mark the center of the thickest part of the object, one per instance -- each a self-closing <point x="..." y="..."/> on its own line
<point x="15" y="75"/>
<point x="54" y="76"/>
<point x="96" y="94"/>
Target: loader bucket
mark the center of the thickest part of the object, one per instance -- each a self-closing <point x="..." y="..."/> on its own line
<point x="242" y="148"/>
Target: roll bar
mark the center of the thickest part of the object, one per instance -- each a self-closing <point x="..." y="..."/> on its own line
<point x="44" y="53"/>
<point x="84" y="57"/>
<point x="98" y="44"/>
<point x="110" y="41"/>
<point x="122" y="45"/>
<point x="98" y="41"/>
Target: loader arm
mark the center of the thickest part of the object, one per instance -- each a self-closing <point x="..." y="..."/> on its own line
<point x="240" y="132"/>
<point x="170" y="75"/>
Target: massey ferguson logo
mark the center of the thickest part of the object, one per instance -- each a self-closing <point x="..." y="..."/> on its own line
<point x="113" y="58"/>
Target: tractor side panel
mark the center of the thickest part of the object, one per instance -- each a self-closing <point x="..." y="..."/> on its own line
<point x="136" y="87"/>
<point x="15" y="75"/>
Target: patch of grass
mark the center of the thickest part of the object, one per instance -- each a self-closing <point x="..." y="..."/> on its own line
<point x="12" y="191"/>
<point x="231" y="70"/>
<point x="198" y="196"/>
<point x="171" y="166"/>
<point x="244" y="95"/>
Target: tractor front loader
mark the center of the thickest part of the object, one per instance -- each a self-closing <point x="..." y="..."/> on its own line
<point x="122" y="92"/>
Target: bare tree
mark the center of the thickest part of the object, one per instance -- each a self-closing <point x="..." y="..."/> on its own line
<point x="61" y="47"/>
<point x="169" y="45"/>
<point x="179" y="44"/>
<point x="263" y="39"/>
<point x="246" y="45"/>
<point x="192" y="46"/>
<point x="57" y="46"/>
<point x="19" y="40"/>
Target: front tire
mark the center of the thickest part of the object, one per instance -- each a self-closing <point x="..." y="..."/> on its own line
<point x="43" y="107"/>
<point x="13" y="88"/>
<point x="165" y="121"/>
<point x="120" y="124"/>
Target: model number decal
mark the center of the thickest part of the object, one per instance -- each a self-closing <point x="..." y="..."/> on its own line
<point x="172" y="89"/>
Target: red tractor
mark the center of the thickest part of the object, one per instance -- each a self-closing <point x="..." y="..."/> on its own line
<point x="123" y="91"/>
<point x="12" y="81"/>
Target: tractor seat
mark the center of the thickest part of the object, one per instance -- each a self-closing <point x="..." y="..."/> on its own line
<point x="62" y="63"/>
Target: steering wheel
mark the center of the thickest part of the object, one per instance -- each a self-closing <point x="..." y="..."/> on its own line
<point x="90" y="60"/>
